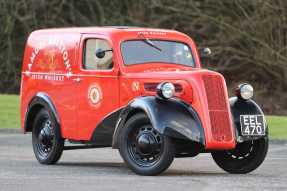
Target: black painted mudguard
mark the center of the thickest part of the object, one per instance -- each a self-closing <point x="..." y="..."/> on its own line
<point x="40" y="100"/>
<point x="244" y="107"/>
<point x="170" y="117"/>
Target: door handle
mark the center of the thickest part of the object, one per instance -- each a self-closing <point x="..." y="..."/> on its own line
<point x="78" y="79"/>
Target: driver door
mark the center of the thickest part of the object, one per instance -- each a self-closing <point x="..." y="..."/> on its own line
<point x="98" y="92"/>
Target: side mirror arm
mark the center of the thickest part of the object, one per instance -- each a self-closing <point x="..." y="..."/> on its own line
<point x="101" y="53"/>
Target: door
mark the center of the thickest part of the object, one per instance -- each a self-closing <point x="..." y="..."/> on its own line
<point x="98" y="92"/>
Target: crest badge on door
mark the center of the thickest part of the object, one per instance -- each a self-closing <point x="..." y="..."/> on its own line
<point x="95" y="95"/>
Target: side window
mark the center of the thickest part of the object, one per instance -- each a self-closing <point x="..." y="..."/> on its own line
<point x="91" y="61"/>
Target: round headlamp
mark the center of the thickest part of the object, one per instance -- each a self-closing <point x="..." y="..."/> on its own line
<point x="244" y="91"/>
<point x="165" y="90"/>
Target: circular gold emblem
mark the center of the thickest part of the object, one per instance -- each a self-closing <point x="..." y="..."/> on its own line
<point x="94" y="95"/>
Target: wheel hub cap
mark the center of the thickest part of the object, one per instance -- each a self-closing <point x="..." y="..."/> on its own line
<point x="146" y="143"/>
<point x="45" y="137"/>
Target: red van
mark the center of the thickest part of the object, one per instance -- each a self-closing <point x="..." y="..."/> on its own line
<point x="139" y="90"/>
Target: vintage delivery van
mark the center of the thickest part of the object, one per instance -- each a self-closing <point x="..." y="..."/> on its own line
<point x="142" y="91"/>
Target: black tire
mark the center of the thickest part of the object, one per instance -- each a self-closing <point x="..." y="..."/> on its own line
<point x="46" y="138"/>
<point x="246" y="157"/>
<point x="145" y="158"/>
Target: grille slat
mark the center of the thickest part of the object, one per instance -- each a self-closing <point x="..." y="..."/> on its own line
<point x="218" y="111"/>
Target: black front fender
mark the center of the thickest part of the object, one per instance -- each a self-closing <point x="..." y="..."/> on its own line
<point x="170" y="117"/>
<point x="244" y="107"/>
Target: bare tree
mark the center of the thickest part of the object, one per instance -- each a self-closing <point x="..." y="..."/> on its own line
<point x="248" y="38"/>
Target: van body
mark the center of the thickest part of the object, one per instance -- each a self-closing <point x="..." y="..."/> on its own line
<point x="92" y="86"/>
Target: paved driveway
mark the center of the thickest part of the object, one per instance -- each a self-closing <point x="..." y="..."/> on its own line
<point x="103" y="169"/>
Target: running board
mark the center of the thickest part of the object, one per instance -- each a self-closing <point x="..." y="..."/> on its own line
<point x="85" y="147"/>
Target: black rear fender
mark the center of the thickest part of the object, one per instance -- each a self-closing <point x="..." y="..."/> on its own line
<point x="39" y="101"/>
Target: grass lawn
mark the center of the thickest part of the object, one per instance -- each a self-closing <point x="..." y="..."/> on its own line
<point x="9" y="111"/>
<point x="277" y="127"/>
<point x="10" y="117"/>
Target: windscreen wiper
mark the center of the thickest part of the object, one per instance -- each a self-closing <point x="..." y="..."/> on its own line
<point x="149" y="42"/>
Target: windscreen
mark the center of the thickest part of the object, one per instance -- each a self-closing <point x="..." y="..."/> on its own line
<point x="156" y="51"/>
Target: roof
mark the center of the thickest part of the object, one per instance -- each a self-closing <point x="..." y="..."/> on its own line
<point x="104" y="29"/>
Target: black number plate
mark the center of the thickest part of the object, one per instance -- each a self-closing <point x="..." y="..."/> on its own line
<point x="252" y="125"/>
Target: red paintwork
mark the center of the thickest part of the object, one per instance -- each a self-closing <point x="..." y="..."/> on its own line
<point x="78" y="117"/>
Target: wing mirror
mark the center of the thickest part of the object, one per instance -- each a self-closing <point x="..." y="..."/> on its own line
<point x="101" y="53"/>
<point x="205" y="52"/>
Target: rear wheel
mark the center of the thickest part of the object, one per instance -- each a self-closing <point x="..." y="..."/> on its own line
<point x="144" y="150"/>
<point x="46" y="139"/>
<point x="246" y="157"/>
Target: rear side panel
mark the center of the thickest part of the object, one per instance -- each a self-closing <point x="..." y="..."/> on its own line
<point x="48" y="67"/>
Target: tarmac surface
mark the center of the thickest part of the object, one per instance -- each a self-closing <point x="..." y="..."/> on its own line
<point x="103" y="169"/>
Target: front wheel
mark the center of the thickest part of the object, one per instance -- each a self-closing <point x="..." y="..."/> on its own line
<point x="246" y="156"/>
<point x="143" y="149"/>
